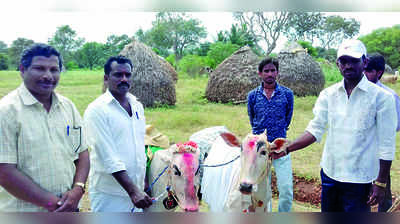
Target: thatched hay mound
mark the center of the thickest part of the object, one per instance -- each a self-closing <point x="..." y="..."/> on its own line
<point x="299" y="72"/>
<point x="234" y="77"/>
<point x="152" y="80"/>
<point x="171" y="70"/>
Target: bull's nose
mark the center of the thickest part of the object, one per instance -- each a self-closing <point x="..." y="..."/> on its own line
<point x="246" y="188"/>
<point x="191" y="209"/>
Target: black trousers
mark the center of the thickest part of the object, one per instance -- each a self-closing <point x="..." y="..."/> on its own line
<point x="343" y="197"/>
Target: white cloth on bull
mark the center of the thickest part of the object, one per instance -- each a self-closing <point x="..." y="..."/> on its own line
<point x="217" y="181"/>
<point x="206" y="137"/>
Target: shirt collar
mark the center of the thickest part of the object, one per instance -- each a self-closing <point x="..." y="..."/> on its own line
<point x="362" y="85"/>
<point x="28" y="99"/>
<point x="109" y="97"/>
<point x="276" y="90"/>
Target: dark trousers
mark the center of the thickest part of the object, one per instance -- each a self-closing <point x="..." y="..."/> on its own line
<point x="387" y="201"/>
<point x="343" y="197"/>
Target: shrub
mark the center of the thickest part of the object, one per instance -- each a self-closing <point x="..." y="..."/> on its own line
<point x="3" y="62"/>
<point x="312" y="51"/>
<point x="72" y="65"/>
<point x="219" y="51"/>
<point x="171" y="60"/>
<point x="191" y="64"/>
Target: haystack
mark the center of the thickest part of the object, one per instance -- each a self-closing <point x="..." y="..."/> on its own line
<point x="171" y="70"/>
<point x="152" y="81"/>
<point x="299" y="71"/>
<point x="234" y="77"/>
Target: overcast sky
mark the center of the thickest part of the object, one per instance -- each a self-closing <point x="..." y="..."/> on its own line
<point x="94" y="20"/>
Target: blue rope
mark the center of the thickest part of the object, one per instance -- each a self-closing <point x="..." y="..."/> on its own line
<point x="222" y="164"/>
<point x="159" y="175"/>
<point x="152" y="184"/>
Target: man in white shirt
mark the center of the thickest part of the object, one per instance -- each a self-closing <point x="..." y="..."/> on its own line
<point x="374" y="72"/>
<point x="360" y="119"/>
<point x="116" y="126"/>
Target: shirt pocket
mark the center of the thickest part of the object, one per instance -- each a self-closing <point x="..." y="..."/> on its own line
<point x="74" y="138"/>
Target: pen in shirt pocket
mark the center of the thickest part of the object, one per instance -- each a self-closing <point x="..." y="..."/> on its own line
<point x="67" y="130"/>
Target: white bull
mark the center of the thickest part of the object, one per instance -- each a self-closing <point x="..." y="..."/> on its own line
<point x="243" y="185"/>
<point x="181" y="175"/>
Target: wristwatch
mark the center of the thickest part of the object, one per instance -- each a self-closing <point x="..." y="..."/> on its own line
<point x="379" y="184"/>
<point x="81" y="185"/>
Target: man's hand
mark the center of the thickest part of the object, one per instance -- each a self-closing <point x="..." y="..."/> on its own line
<point x="53" y="203"/>
<point x="377" y="195"/>
<point x="141" y="200"/>
<point x="277" y="154"/>
<point x="70" y="200"/>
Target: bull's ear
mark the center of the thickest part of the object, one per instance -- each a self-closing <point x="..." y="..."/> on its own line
<point x="280" y="142"/>
<point x="230" y="139"/>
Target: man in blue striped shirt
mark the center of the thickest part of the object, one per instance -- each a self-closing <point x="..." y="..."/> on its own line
<point x="270" y="108"/>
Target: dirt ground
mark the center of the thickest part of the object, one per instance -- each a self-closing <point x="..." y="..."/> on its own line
<point x="309" y="191"/>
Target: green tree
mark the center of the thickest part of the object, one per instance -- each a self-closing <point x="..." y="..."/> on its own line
<point x="3" y="47"/>
<point x="3" y="61"/>
<point x="203" y="49"/>
<point x="219" y="51"/>
<point x="239" y="35"/>
<point x="115" y="44"/>
<point x="173" y="31"/>
<point x="265" y="26"/>
<point x="336" y="28"/>
<point x="386" y="41"/>
<point x="304" y="26"/>
<point x="65" y="40"/>
<point x="16" y="49"/>
<point x="91" y="55"/>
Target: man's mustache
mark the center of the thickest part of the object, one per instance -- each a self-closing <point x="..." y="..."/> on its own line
<point x="124" y="84"/>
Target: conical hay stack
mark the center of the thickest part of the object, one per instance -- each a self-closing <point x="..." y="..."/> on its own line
<point x="170" y="68"/>
<point x="151" y="83"/>
<point x="234" y="77"/>
<point x="299" y="72"/>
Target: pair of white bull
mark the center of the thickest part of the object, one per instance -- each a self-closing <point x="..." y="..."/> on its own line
<point x="242" y="185"/>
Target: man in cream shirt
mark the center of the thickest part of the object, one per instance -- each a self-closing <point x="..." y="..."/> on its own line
<point x="116" y="127"/>
<point x="44" y="161"/>
<point x="360" y="119"/>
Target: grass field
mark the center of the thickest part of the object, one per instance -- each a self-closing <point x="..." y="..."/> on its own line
<point x="192" y="112"/>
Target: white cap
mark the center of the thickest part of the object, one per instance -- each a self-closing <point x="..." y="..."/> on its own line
<point x="352" y="48"/>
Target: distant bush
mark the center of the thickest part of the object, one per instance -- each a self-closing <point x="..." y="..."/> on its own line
<point x="3" y="62"/>
<point x="312" y="51"/>
<point x="219" y="51"/>
<point x="331" y="73"/>
<point x="192" y="64"/>
<point x="171" y="60"/>
<point x="71" y="65"/>
<point x="329" y="54"/>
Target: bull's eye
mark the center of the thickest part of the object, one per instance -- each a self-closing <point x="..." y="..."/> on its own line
<point x="263" y="153"/>
<point x="197" y="171"/>
<point x="177" y="172"/>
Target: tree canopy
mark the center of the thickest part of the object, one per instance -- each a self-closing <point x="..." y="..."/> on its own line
<point x="385" y="41"/>
<point x="172" y="31"/>
<point x="65" y="40"/>
<point x="16" y="49"/>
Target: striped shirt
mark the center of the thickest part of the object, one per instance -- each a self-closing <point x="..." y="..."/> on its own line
<point x="43" y="145"/>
